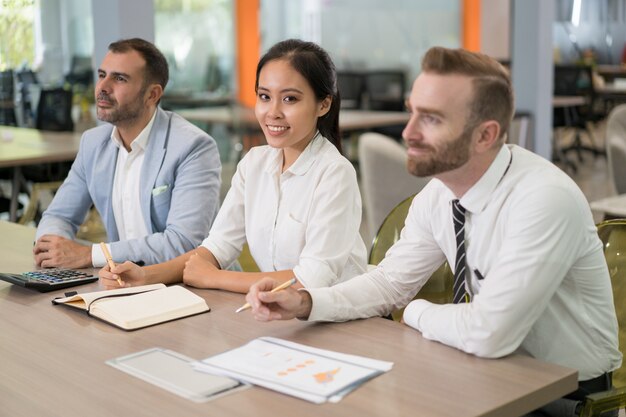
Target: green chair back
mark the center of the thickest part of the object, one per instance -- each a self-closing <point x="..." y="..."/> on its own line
<point x="438" y="289"/>
<point x="613" y="236"/>
<point x="246" y="261"/>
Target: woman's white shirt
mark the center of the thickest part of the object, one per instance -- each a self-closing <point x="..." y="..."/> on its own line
<point x="306" y="219"/>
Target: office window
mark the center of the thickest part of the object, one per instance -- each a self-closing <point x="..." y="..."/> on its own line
<point x="366" y="34"/>
<point x="197" y="37"/>
<point x="16" y="33"/>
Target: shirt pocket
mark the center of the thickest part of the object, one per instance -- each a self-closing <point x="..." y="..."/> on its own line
<point x="290" y="241"/>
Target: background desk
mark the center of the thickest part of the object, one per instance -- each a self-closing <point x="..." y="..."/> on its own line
<point x="21" y="146"/>
<point x="349" y="120"/>
<point x="52" y="362"/>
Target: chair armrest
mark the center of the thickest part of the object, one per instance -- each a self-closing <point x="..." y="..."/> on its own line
<point x="599" y="402"/>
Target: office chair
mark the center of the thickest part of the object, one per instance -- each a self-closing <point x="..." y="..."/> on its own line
<point x="81" y="73"/>
<point x="520" y="130"/>
<point x="7" y="99"/>
<point x="385" y="90"/>
<point x="616" y="147"/>
<point x="385" y="181"/>
<point x="246" y="261"/>
<point x="54" y="110"/>
<point x="25" y="79"/>
<point x="613" y="236"/>
<point x="438" y="288"/>
<point x="350" y="85"/>
<point x="576" y="80"/>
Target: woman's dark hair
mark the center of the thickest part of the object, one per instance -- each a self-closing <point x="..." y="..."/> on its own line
<point x="315" y="65"/>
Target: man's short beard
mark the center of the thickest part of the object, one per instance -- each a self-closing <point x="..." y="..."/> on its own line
<point x="453" y="155"/>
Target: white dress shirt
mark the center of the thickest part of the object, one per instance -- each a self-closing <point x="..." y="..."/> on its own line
<point x="306" y="219"/>
<point x="530" y="235"/>
<point x="125" y="195"/>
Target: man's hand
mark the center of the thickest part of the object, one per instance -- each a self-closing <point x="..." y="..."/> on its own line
<point x="281" y="305"/>
<point x="129" y="273"/>
<point x="199" y="272"/>
<point x="53" y="251"/>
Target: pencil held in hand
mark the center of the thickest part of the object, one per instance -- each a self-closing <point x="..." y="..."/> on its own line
<point x="282" y="286"/>
<point x="107" y="255"/>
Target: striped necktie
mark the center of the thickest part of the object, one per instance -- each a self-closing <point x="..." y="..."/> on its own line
<point x="458" y="215"/>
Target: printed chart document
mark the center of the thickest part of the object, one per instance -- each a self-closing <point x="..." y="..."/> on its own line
<point x="173" y="372"/>
<point x="312" y="374"/>
<point x="136" y="307"/>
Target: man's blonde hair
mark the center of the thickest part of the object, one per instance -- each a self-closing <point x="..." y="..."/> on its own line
<point x="493" y="92"/>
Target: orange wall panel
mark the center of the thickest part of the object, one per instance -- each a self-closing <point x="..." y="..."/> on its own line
<point x="471" y="25"/>
<point x="248" y="45"/>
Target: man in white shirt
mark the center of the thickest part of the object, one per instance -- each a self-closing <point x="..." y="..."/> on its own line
<point x="153" y="177"/>
<point x="535" y="277"/>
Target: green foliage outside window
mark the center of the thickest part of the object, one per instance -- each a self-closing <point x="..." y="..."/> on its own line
<point x="17" y="39"/>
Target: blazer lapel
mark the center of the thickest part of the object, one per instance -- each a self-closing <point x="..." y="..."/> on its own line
<point x="105" y="172"/>
<point x="153" y="160"/>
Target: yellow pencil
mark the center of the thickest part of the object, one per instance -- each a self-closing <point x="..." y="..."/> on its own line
<point x="107" y="255"/>
<point x="282" y="286"/>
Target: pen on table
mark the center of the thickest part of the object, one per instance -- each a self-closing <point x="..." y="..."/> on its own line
<point x="107" y="255"/>
<point x="282" y="286"/>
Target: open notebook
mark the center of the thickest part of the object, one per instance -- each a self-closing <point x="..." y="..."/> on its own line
<point x="137" y="307"/>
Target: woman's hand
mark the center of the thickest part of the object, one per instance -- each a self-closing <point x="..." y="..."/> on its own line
<point x="199" y="272"/>
<point x="129" y="274"/>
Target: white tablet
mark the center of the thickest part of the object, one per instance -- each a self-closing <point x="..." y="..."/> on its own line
<point x="172" y="371"/>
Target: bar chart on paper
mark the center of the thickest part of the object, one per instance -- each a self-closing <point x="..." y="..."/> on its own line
<point x="313" y="374"/>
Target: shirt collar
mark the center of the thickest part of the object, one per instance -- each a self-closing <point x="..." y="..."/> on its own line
<point x="304" y="161"/>
<point x="477" y="197"/>
<point x="141" y="141"/>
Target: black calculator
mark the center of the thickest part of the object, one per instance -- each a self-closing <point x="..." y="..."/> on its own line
<point x="46" y="280"/>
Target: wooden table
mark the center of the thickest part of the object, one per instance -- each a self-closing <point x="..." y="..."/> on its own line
<point x="22" y="146"/>
<point x="611" y="72"/>
<point x="52" y="361"/>
<point x="349" y="120"/>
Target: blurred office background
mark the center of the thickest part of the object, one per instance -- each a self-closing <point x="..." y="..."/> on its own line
<point x="212" y="47"/>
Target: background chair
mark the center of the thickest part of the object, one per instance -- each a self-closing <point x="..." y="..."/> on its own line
<point x="614" y="206"/>
<point x="81" y="73"/>
<point x="7" y="99"/>
<point x="520" y="130"/>
<point x="246" y="261"/>
<point x="26" y="79"/>
<point x="385" y="90"/>
<point x="438" y="288"/>
<point x="576" y="80"/>
<point x="54" y="110"/>
<point x="613" y="236"/>
<point x="616" y="147"/>
<point x="351" y="87"/>
<point x="385" y="181"/>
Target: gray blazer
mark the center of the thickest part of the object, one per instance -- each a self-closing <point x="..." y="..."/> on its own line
<point x="179" y="186"/>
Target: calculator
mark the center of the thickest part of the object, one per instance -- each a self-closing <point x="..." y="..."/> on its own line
<point x="46" y="280"/>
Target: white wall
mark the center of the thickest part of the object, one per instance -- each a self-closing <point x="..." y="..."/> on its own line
<point x="495" y="28"/>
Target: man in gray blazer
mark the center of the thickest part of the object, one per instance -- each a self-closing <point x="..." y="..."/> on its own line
<point x="153" y="177"/>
